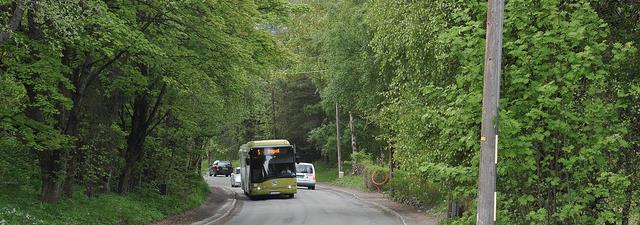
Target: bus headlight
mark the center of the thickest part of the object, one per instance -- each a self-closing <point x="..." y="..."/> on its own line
<point x="258" y="188"/>
<point x="289" y="186"/>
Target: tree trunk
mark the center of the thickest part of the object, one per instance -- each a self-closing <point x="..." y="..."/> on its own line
<point x="627" y="205"/>
<point x="390" y="163"/>
<point x="69" y="180"/>
<point x="209" y="162"/>
<point x="89" y="189"/>
<point x="69" y="120"/>
<point x="14" y="22"/>
<point x="135" y="142"/>
<point x="50" y="160"/>
<point x="106" y="182"/>
<point x="141" y="119"/>
<point x="354" y="147"/>
<point x="133" y="155"/>
<point x="357" y="168"/>
<point x="49" y="166"/>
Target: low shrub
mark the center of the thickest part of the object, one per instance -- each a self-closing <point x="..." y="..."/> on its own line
<point x="411" y="190"/>
<point x="373" y="172"/>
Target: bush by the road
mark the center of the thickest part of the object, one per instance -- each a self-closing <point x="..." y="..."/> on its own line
<point x="408" y="189"/>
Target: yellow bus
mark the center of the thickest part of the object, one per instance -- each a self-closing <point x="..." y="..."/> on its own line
<point x="268" y="168"/>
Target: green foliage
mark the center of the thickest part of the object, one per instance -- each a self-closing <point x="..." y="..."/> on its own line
<point x="291" y="120"/>
<point x="325" y="172"/>
<point x="568" y="147"/>
<point x="361" y="157"/>
<point x="20" y="206"/>
<point x="95" y="89"/>
<point x="127" y="96"/>
<point x="403" y="188"/>
<point x="17" y="166"/>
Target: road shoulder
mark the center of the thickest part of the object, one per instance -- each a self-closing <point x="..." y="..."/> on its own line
<point x="408" y="214"/>
<point x="219" y="204"/>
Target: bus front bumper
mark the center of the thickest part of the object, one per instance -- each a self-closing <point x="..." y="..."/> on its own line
<point x="282" y="186"/>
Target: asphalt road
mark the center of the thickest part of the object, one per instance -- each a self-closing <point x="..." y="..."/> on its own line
<point x="322" y="206"/>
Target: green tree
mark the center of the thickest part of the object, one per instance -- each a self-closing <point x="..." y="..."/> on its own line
<point x="101" y="88"/>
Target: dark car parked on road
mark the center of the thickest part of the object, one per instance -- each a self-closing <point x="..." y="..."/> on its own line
<point x="220" y="167"/>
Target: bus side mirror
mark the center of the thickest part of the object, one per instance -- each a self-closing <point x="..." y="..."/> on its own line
<point x="297" y="159"/>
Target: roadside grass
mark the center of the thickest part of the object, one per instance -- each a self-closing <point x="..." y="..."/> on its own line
<point x="329" y="174"/>
<point x="20" y="205"/>
<point x="325" y="172"/>
<point x="353" y="182"/>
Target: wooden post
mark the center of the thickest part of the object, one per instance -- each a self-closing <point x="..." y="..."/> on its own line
<point x="490" y="97"/>
<point x="273" y="111"/>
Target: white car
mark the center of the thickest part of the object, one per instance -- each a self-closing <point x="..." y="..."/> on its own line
<point x="235" y="178"/>
<point x="306" y="175"/>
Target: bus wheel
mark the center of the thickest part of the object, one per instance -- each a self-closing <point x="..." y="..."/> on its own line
<point x="290" y="195"/>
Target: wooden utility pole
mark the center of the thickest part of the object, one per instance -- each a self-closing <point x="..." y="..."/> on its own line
<point x="490" y="97"/>
<point x="340" y="173"/>
<point x="273" y="111"/>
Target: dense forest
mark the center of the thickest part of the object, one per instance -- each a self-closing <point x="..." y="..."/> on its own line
<point x="105" y="97"/>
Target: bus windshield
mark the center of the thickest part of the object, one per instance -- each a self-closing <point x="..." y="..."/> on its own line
<point x="272" y="162"/>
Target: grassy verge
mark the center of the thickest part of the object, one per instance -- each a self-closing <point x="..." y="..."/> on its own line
<point x="353" y="182"/>
<point x="325" y="173"/>
<point x="20" y="205"/>
<point x="329" y="174"/>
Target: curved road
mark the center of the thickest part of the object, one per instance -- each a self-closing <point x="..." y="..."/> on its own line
<point x="309" y="207"/>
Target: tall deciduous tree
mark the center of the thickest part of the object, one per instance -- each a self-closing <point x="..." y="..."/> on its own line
<point x="160" y="67"/>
